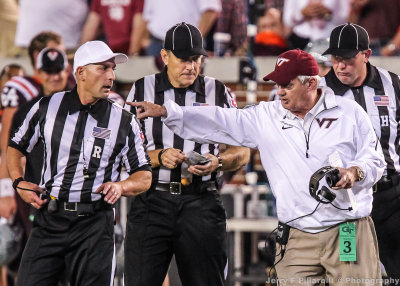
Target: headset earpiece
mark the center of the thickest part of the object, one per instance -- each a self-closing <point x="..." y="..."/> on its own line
<point x="327" y="194"/>
<point x="324" y="195"/>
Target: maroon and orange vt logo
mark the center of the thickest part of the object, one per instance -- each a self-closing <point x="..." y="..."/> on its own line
<point x="328" y="122"/>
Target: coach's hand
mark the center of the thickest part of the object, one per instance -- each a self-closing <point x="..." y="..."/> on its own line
<point x="146" y="109"/>
<point x="347" y="178"/>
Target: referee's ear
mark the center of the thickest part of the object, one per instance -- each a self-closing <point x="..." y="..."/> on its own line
<point x="165" y="56"/>
<point x="80" y="74"/>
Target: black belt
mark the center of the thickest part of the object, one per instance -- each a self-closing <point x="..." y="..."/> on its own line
<point x="79" y="208"/>
<point x="385" y="183"/>
<point x="176" y="188"/>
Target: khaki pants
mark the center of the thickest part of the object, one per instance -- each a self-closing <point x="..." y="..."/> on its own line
<point x="312" y="258"/>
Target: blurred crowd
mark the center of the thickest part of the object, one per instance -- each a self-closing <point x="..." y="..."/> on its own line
<point x="230" y="27"/>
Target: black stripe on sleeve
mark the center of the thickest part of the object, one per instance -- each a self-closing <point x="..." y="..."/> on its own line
<point x="30" y="132"/>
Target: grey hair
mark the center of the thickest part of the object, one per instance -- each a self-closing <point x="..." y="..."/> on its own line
<point x="305" y="78"/>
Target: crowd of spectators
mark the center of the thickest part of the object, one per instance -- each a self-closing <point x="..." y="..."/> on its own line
<point x="230" y="27"/>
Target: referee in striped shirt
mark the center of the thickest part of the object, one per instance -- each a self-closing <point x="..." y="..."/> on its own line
<point x="86" y="140"/>
<point x="182" y="213"/>
<point x="378" y="92"/>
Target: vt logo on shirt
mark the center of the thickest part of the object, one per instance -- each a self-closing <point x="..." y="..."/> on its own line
<point x="328" y="121"/>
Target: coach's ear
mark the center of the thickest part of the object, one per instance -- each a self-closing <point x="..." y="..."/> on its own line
<point x="312" y="83"/>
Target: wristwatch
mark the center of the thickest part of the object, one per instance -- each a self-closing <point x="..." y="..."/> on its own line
<point x="219" y="163"/>
<point x="360" y="174"/>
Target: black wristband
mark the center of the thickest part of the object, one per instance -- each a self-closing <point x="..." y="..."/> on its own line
<point x="159" y="157"/>
<point x="16" y="182"/>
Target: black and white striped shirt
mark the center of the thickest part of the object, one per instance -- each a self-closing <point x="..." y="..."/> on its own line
<point x="156" y="88"/>
<point x="100" y="138"/>
<point x="379" y="96"/>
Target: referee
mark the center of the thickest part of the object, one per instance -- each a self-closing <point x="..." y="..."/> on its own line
<point x="182" y="213"/>
<point x="86" y="140"/>
<point x="378" y="92"/>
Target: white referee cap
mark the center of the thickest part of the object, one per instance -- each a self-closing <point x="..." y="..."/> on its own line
<point x="96" y="52"/>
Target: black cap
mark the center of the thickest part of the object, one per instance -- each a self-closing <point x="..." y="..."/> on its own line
<point x="51" y="60"/>
<point x="184" y="40"/>
<point x="347" y="40"/>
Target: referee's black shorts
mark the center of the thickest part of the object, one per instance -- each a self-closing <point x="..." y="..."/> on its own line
<point x="82" y="247"/>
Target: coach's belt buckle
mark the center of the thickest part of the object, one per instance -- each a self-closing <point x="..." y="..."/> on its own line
<point x="175" y="188"/>
<point x="67" y="207"/>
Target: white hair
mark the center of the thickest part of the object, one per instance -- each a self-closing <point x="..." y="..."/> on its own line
<point x="305" y="78"/>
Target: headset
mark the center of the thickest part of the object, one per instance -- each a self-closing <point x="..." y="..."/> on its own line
<point x="324" y="195"/>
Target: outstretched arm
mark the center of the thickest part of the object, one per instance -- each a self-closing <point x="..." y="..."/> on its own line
<point x="219" y="125"/>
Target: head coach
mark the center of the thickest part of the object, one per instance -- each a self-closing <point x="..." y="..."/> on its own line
<point x="183" y="210"/>
<point x="86" y="140"/>
<point x="377" y="91"/>
<point x="296" y="136"/>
